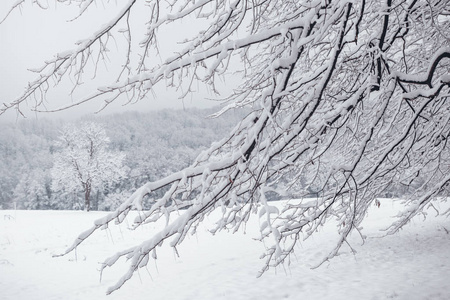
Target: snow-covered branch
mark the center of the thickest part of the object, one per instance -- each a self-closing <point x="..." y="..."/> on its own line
<point x="349" y="102"/>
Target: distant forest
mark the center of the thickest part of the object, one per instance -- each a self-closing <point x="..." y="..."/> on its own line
<point x="155" y="144"/>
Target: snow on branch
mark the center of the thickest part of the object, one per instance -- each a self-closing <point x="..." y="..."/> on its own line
<point x="74" y="60"/>
<point x="333" y="125"/>
<point x="426" y="77"/>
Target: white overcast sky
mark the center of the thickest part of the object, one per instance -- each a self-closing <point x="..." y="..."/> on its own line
<point x="31" y="35"/>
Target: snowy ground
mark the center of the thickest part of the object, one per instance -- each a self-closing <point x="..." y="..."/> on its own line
<point x="413" y="264"/>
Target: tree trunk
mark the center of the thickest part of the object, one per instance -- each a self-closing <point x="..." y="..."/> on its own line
<point x="87" y="194"/>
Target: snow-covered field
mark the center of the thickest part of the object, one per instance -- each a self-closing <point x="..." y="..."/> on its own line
<point x="413" y="264"/>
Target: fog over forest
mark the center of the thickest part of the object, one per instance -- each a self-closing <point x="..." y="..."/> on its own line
<point x="154" y="144"/>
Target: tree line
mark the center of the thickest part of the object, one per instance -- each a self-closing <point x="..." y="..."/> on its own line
<point x="150" y="145"/>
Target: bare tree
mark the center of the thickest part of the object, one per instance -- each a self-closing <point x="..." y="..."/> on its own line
<point x="351" y="95"/>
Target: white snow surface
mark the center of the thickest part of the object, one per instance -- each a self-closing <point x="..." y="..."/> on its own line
<point x="412" y="264"/>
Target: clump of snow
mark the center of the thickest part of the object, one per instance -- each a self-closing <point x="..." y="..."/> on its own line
<point x="412" y="264"/>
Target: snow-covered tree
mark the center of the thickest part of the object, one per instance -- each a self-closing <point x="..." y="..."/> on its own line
<point x="33" y="190"/>
<point x="350" y="95"/>
<point x="84" y="162"/>
<point x="25" y="160"/>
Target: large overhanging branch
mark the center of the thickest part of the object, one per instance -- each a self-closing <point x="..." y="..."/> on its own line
<point x="347" y="104"/>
